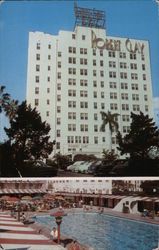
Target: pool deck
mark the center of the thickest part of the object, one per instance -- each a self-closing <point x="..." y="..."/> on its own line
<point x="16" y="235"/>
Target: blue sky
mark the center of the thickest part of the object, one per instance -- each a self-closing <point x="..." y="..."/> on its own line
<point x="134" y="19"/>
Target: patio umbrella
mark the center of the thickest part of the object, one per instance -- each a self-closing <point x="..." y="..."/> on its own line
<point x="27" y="197"/>
<point x="13" y="199"/>
<point x="5" y="197"/>
<point x="38" y="197"/>
<point x="59" y="198"/>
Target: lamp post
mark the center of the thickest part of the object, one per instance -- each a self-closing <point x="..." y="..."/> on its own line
<point x="58" y="216"/>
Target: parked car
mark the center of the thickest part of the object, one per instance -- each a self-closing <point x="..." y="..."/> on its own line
<point x="94" y="166"/>
<point x="83" y="168"/>
<point x="74" y="165"/>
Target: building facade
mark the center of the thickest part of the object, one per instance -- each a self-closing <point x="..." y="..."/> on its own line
<point x="75" y="75"/>
<point x="80" y="185"/>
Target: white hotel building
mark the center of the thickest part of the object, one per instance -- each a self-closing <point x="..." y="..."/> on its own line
<point x="75" y="75"/>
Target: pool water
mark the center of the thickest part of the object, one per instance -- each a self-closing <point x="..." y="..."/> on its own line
<point x="104" y="232"/>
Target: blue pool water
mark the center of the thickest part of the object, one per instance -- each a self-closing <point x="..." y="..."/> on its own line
<point x="106" y="232"/>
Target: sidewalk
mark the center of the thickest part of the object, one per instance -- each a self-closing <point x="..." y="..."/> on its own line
<point x="16" y="235"/>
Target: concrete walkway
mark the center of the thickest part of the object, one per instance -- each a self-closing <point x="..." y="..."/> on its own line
<point x="16" y="235"/>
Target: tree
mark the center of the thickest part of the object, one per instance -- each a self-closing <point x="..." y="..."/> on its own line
<point x="11" y="109"/>
<point x="28" y="136"/>
<point x="109" y="156"/>
<point x="150" y="187"/>
<point x="143" y="136"/>
<point x="109" y="119"/>
<point x="4" y="98"/>
<point x="62" y="161"/>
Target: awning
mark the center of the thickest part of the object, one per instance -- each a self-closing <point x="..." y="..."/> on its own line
<point x="21" y="191"/>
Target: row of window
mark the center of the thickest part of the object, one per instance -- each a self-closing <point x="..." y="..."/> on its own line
<point x="84" y="51"/>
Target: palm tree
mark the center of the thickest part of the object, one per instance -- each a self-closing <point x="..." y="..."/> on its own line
<point x="11" y="109"/>
<point x="110" y="119"/>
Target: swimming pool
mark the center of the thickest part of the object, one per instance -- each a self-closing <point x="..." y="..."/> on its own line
<point x="107" y="232"/>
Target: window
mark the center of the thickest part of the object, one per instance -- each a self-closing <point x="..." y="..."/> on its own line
<point x="145" y="87"/>
<point x="58" y="133"/>
<point x="85" y="139"/>
<point x="72" y="60"/>
<point x="71" y="127"/>
<point x="83" y="51"/>
<point x="135" y="97"/>
<point x="58" y="98"/>
<point x="95" y="128"/>
<point x="48" y="90"/>
<point x="124" y="96"/>
<point x="125" y="118"/>
<point x="94" y="72"/>
<point x="112" y="85"/>
<point x="95" y="140"/>
<point x="59" y="86"/>
<point x="72" y="71"/>
<point x="103" y="139"/>
<point x="49" y="68"/>
<point x="112" y="74"/>
<point x="111" y="53"/>
<point x="94" y="52"/>
<point x="71" y="104"/>
<point x="122" y="55"/>
<point x="49" y="57"/>
<point x="101" y="63"/>
<point x="83" y="83"/>
<point x="102" y="94"/>
<point x="95" y="105"/>
<point x="142" y="57"/>
<point x="125" y="107"/>
<point x="58" y="121"/>
<point x="83" y="61"/>
<point x="83" y="37"/>
<point x="94" y="62"/>
<point x="59" y="54"/>
<point x="126" y="129"/>
<point x="70" y="139"/>
<point x="123" y="75"/>
<point x="48" y="78"/>
<point x="72" y="50"/>
<point x="71" y="115"/>
<point x="95" y="94"/>
<point x="59" y="64"/>
<point x="94" y="83"/>
<point x="132" y="56"/>
<point x="37" y="67"/>
<point x="58" y="109"/>
<point x="49" y="46"/>
<point x="134" y="86"/>
<point x="59" y="75"/>
<point x="84" y="104"/>
<point x="113" y="95"/>
<point x="134" y="76"/>
<point x="83" y="93"/>
<point x="112" y="64"/>
<point x="84" y="116"/>
<point x="71" y="92"/>
<point x="48" y="101"/>
<point x="38" y="46"/>
<point x="95" y="117"/>
<point x="77" y="139"/>
<point x="133" y="65"/>
<point x="113" y="106"/>
<point x="37" y="90"/>
<point x="136" y="108"/>
<point x="72" y="82"/>
<point x="144" y="77"/>
<point x="124" y="85"/>
<point x="123" y="65"/>
<point x="101" y="73"/>
<point x="146" y="108"/>
<point x="73" y="36"/>
<point x="58" y="145"/>
<point x="143" y="66"/>
<point x="145" y="98"/>
<point x="102" y="105"/>
<point x="101" y="52"/>
<point x="47" y="113"/>
<point x="36" y="102"/>
<point x="37" y="56"/>
<point x="36" y="78"/>
<point x="83" y="72"/>
<point x="102" y="84"/>
<point x="84" y="128"/>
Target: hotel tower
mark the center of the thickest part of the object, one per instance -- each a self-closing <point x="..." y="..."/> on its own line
<point x="75" y="75"/>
